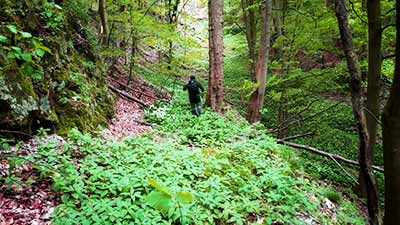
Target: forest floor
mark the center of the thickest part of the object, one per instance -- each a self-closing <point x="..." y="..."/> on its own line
<point x="226" y="156"/>
<point x="31" y="200"/>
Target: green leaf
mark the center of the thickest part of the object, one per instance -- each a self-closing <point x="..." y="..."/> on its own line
<point x="48" y="14"/>
<point x="159" y="200"/>
<point x="11" y="55"/>
<point x="184" y="197"/>
<point x="5" y="146"/>
<point x="3" y="39"/>
<point x="16" y="49"/>
<point x="39" y="52"/>
<point x="37" y="75"/>
<point x="12" y="28"/>
<point x="28" y="69"/>
<point x="26" y="57"/>
<point x="26" y="34"/>
<point x="163" y="189"/>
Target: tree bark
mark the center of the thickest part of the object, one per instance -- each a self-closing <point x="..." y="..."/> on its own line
<point x="250" y="22"/>
<point x="374" y="73"/>
<point x="215" y="93"/>
<point x="104" y="21"/>
<point x="356" y="94"/>
<point x="391" y="139"/>
<point x="257" y="97"/>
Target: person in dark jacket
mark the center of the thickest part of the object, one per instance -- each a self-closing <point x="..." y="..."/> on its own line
<point x="194" y="89"/>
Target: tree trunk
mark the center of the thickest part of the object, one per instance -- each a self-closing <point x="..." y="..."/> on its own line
<point x="391" y="139"/>
<point x="356" y="95"/>
<point x="250" y="22"/>
<point x="374" y="73"/>
<point x="215" y="93"/>
<point x="257" y="97"/>
<point x="104" y="22"/>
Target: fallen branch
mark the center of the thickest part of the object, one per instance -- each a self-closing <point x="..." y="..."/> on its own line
<point x="133" y="89"/>
<point x="298" y="136"/>
<point x="16" y="132"/>
<point x="326" y="154"/>
<point x="142" y="104"/>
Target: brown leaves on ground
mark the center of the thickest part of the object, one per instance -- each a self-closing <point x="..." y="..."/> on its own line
<point x="128" y="119"/>
<point x="28" y="199"/>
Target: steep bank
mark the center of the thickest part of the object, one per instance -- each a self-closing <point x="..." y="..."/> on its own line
<point x="50" y="72"/>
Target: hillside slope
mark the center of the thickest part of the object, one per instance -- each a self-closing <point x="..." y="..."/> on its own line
<point x="189" y="170"/>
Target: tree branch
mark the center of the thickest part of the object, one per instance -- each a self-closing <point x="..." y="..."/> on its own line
<point x="355" y="12"/>
<point x="298" y="136"/>
<point x="326" y="154"/>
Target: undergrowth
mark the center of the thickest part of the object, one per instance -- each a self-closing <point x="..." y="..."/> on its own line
<point x="190" y="170"/>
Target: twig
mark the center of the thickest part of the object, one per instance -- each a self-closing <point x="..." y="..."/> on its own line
<point x="373" y="116"/>
<point x="326" y="154"/>
<point x="345" y="171"/>
<point x="354" y="10"/>
<point x="304" y="119"/>
<point x="387" y="26"/>
<point x="297" y="114"/>
<point x="388" y="56"/>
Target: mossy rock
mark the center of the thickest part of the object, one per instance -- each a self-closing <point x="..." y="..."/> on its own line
<point x="62" y="99"/>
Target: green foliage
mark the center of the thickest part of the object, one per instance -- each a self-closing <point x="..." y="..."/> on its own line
<point x="191" y="170"/>
<point x="23" y="51"/>
<point x="332" y="195"/>
<point x="52" y="14"/>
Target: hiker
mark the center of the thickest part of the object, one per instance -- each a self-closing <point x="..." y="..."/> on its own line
<point x="194" y="88"/>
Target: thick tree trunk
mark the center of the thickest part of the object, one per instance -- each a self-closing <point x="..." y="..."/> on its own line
<point x="356" y="95"/>
<point x="104" y="21"/>
<point x="215" y="93"/>
<point x="374" y="73"/>
<point x="391" y="140"/>
<point x="250" y="22"/>
<point x="257" y="97"/>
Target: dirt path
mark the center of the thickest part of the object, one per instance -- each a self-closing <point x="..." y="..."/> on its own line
<point x="128" y="119"/>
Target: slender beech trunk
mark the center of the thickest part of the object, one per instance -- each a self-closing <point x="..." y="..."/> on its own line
<point x="283" y="104"/>
<point x="391" y="139"/>
<point x="172" y="20"/>
<point x="215" y="93"/>
<point x="250" y="22"/>
<point x="374" y="73"/>
<point x="104" y="21"/>
<point x="356" y="96"/>
<point x="257" y="97"/>
<point x="374" y="69"/>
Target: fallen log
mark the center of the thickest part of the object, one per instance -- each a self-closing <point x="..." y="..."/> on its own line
<point x="326" y="154"/>
<point x="129" y="97"/>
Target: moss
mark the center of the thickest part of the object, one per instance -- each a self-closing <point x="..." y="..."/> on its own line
<point x="74" y="90"/>
<point x="17" y="91"/>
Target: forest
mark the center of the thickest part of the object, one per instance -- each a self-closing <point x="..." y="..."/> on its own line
<point x="200" y="112"/>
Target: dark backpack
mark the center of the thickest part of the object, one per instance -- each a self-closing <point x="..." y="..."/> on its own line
<point x="193" y="88"/>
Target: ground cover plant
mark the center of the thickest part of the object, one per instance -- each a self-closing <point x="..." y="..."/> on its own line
<point x="189" y="170"/>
